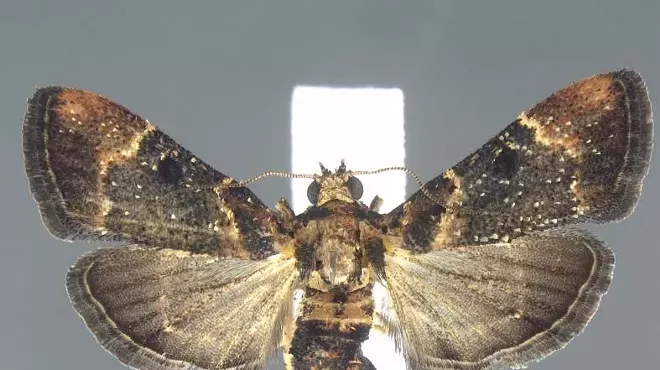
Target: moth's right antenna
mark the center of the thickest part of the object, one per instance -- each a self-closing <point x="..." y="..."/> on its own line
<point x="407" y="170"/>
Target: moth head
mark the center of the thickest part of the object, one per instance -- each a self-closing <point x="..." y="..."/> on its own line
<point x="338" y="185"/>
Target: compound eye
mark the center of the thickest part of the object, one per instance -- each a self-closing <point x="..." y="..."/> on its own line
<point x="355" y="187"/>
<point x="313" y="192"/>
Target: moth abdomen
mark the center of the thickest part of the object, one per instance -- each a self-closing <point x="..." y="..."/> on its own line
<point x="331" y="328"/>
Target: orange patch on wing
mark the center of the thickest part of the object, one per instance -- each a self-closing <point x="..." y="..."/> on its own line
<point x="449" y="226"/>
<point x="555" y="140"/>
<point x="112" y="141"/>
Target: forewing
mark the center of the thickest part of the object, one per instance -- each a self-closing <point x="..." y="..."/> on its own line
<point x="100" y="172"/>
<point x="169" y="309"/>
<point x="579" y="155"/>
<point x="497" y="305"/>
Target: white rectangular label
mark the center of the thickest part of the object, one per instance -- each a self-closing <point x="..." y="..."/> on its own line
<point x="364" y="126"/>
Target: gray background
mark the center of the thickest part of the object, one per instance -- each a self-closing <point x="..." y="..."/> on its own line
<point x="218" y="78"/>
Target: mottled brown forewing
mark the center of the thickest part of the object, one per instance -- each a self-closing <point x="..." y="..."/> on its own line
<point x="579" y="155"/>
<point x="488" y="274"/>
<point x="100" y="172"/>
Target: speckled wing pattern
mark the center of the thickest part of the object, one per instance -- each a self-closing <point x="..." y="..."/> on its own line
<point x="100" y="172"/>
<point x="489" y="274"/>
<point x="202" y="285"/>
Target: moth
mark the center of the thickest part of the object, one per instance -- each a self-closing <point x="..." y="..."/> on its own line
<point x="483" y="266"/>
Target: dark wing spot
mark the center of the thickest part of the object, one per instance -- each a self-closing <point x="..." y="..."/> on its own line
<point x="170" y="171"/>
<point x="506" y="163"/>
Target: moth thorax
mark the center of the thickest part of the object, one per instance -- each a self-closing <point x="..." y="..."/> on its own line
<point x="338" y="263"/>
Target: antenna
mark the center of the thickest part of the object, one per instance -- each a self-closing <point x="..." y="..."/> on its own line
<point x="407" y="170"/>
<point x="326" y="172"/>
